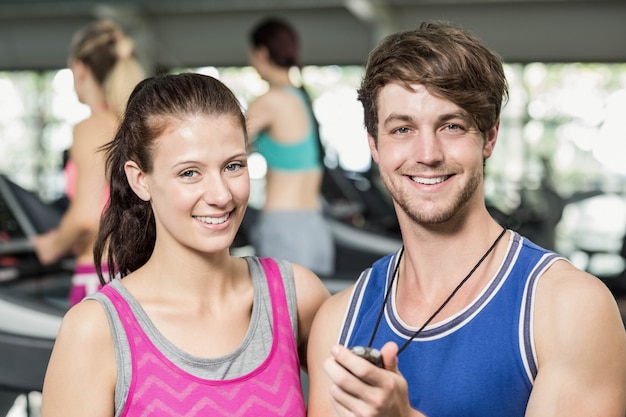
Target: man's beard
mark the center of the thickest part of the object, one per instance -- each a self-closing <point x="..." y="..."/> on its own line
<point x="406" y="202"/>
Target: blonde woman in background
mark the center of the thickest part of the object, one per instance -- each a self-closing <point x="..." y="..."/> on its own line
<point x="105" y="71"/>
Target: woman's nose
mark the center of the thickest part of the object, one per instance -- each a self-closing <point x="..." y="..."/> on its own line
<point x="216" y="191"/>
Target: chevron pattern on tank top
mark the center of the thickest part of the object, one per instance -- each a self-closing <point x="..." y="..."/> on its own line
<point x="270" y="390"/>
<point x="159" y="388"/>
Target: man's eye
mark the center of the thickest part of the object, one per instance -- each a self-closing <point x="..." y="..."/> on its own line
<point x="402" y="130"/>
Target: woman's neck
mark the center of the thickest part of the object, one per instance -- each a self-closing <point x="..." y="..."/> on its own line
<point x="279" y="79"/>
<point x="99" y="107"/>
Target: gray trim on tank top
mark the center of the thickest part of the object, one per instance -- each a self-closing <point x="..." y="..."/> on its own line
<point x="245" y="358"/>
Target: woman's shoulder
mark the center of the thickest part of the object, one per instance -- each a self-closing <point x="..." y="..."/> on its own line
<point x="309" y="286"/>
<point x="86" y="323"/>
<point x="278" y="95"/>
<point x="100" y="124"/>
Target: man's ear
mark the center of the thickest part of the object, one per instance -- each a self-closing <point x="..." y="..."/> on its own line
<point x="373" y="149"/>
<point x="137" y="180"/>
<point x="490" y="140"/>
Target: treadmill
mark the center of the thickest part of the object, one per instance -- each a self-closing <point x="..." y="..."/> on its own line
<point x="32" y="296"/>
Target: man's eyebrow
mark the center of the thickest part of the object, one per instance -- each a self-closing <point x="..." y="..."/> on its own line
<point x="455" y="115"/>
<point x="401" y="117"/>
<point x="394" y="117"/>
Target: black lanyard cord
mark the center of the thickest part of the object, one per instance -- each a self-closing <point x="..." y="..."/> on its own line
<point x="441" y="307"/>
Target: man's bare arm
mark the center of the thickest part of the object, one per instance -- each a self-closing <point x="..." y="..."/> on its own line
<point x="581" y="347"/>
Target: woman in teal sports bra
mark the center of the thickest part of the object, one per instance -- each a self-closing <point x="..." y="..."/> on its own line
<point x="282" y="124"/>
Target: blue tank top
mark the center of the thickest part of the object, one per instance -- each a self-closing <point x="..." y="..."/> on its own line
<point x="297" y="156"/>
<point x="480" y="362"/>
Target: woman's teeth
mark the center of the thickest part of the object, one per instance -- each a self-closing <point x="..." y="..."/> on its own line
<point x="213" y="220"/>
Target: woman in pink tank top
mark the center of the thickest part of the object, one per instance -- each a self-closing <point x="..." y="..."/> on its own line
<point x="175" y="297"/>
<point x="105" y="71"/>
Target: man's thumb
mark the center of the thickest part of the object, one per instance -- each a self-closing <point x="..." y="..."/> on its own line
<point x="390" y="356"/>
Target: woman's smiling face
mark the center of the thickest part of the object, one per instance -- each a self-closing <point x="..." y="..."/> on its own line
<point x="199" y="184"/>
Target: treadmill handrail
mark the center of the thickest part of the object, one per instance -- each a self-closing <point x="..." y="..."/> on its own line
<point x="19" y="214"/>
<point x="362" y="239"/>
<point x="22" y="320"/>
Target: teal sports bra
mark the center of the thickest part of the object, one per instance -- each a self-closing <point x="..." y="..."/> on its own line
<point x="303" y="155"/>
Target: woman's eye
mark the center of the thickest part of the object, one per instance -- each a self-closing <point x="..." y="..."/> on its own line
<point x="233" y="167"/>
<point x="188" y="173"/>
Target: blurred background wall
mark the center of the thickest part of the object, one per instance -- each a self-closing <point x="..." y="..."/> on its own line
<point x="558" y="174"/>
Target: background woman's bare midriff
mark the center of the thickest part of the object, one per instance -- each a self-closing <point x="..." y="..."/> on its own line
<point x="293" y="190"/>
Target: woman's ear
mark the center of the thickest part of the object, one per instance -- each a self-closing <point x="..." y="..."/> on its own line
<point x="137" y="180"/>
<point x="263" y="52"/>
<point x="259" y="56"/>
<point x="79" y="69"/>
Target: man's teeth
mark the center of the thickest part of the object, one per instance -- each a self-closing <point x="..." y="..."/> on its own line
<point x="213" y="220"/>
<point x="429" y="181"/>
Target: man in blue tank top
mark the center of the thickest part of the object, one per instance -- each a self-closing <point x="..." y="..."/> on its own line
<point x="470" y="319"/>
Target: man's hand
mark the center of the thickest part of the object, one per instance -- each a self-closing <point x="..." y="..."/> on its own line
<point x="362" y="389"/>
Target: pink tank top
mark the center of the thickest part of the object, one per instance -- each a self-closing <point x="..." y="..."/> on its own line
<point x="159" y="388"/>
<point x="71" y="176"/>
